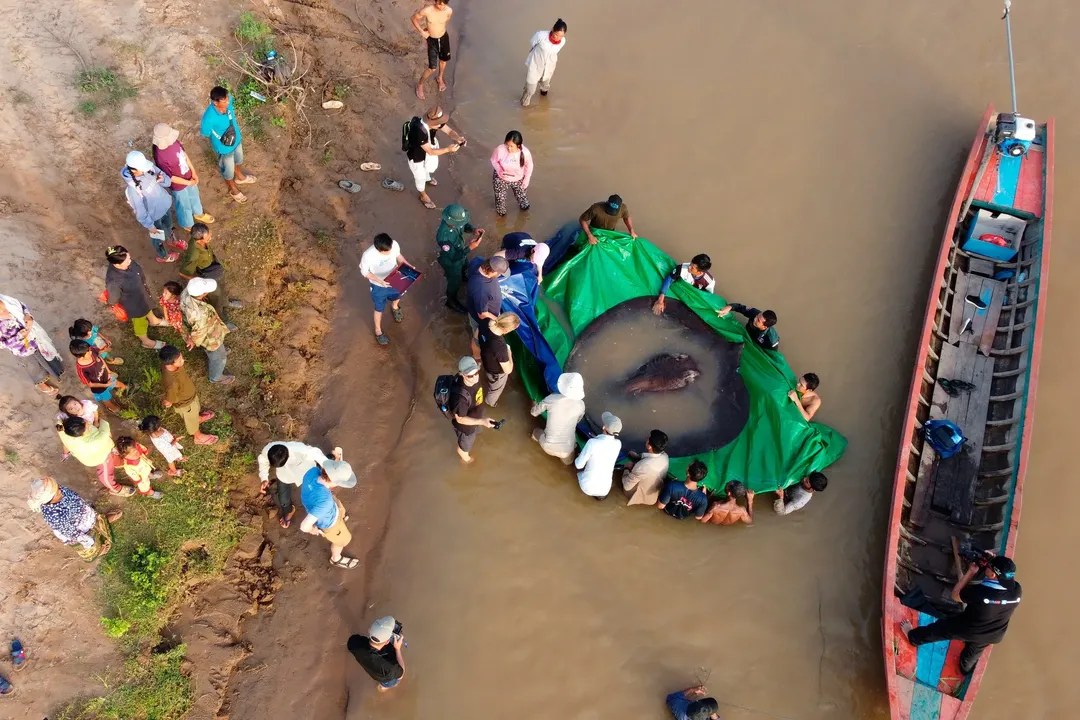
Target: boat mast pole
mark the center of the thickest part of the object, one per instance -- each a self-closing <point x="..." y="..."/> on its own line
<point x="1012" y="67"/>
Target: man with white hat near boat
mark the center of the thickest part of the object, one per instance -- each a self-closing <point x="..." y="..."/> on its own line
<point x="564" y="409"/>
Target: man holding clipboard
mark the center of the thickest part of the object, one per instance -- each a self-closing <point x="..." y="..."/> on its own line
<point x="390" y="275"/>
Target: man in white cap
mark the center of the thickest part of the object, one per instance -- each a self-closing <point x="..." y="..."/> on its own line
<point x="147" y="194"/>
<point x="380" y="653"/>
<point x="169" y="155"/>
<point x="325" y="513"/>
<point x="207" y="329"/>
<point x="564" y="409"/>
<point x="596" y="462"/>
<point x="467" y="405"/>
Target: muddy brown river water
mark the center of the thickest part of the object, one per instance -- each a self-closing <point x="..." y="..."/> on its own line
<point x="811" y="149"/>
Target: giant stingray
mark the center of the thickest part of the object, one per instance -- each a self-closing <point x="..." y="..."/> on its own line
<point x="643" y="383"/>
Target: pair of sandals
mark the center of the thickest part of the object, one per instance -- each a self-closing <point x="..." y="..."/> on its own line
<point x="18" y="660"/>
<point x="398" y="317"/>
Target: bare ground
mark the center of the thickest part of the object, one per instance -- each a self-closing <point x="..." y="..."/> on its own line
<point x="61" y="204"/>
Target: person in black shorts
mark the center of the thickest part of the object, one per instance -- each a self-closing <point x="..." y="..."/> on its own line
<point x="436" y="16"/>
<point x="467" y="404"/>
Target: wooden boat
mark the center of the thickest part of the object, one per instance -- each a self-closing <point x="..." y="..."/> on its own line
<point x="983" y="326"/>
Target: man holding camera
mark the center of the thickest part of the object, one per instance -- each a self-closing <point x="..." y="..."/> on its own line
<point x="988" y="606"/>
<point x="380" y="653"/>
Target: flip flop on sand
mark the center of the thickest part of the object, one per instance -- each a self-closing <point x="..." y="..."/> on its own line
<point x="248" y="180"/>
<point x="369" y="166"/>
<point x="333" y="105"/>
<point x="428" y="204"/>
<point x="239" y="197"/>
<point x="345" y="562"/>
<point x="206" y="440"/>
<point x="286" y="520"/>
<point x="391" y="184"/>
<point x="432" y="182"/>
<point x="18" y="655"/>
<point x="6" y="688"/>
<point x="349" y="185"/>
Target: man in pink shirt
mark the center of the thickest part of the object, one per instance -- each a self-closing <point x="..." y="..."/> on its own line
<point x="513" y="168"/>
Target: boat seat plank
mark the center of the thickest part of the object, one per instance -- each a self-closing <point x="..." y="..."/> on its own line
<point x="948" y="486"/>
<point x="984" y="323"/>
<point x="980" y="266"/>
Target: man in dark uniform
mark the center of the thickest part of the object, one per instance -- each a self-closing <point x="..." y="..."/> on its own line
<point x="989" y="605"/>
<point x="454" y="251"/>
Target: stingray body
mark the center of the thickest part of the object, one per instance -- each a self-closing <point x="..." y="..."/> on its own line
<point x="663" y="373"/>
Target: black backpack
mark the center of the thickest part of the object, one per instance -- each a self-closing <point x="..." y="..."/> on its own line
<point x="444" y="385"/>
<point x="405" y="128"/>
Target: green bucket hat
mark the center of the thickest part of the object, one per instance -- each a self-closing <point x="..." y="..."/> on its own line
<point x="455" y="215"/>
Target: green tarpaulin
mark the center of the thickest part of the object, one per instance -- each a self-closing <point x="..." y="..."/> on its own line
<point x="777" y="447"/>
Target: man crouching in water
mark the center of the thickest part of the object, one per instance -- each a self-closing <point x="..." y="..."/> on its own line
<point x="728" y="511"/>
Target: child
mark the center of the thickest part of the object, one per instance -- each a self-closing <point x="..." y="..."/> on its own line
<point x="166" y="444"/>
<point x="170" y="305"/>
<point x="74" y="407"/>
<point x="86" y="330"/>
<point x="137" y="465"/>
<point x="95" y="374"/>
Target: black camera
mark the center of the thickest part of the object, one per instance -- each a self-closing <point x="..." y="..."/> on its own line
<point x="976" y="556"/>
<point x="498" y="424"/>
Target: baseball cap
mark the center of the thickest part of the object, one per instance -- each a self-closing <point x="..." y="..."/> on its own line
<point x="198" y="286"/>
<point x="613" y="204"/>
<point x="137" y="161"/>
<point x="611" y="422"/>
<point x="1003" y="566"/>
<point x="467" y="366"/>
<point x="340" y="473"/>
<point x="382" y="629"/>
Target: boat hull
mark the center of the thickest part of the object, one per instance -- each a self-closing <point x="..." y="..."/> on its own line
<point x="925" y="683"/>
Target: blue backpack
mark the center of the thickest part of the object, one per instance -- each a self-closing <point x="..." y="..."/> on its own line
<point x="944" y="436"/>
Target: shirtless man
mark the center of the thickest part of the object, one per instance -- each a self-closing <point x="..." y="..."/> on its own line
<point x="805" y="395"/>
<point x="730" y="511"/>
<point x="435" y="17"/>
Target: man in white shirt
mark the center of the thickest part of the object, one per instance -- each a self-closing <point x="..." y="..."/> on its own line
<point x="377" y="263"/>
<point x="596" y="462"/>
<point x="798" y="496"/>
<point x="540" y="63"/>
<point x="290" y="461"/>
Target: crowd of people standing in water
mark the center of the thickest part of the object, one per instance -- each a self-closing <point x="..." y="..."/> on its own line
<point x="192" y="311"/>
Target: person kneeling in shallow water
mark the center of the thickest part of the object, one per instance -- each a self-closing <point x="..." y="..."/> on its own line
<point x="729" y="511"/>
<point x="805" y="396"/>
<point x="564" y="409"/>
<point x="644" y="475"/>
<point x="680" y="500"/>
<point x="596" y="461"/>
<point x="690" y="704"/>
<point x="798" y="496"/>
<point x="696" y="272"/>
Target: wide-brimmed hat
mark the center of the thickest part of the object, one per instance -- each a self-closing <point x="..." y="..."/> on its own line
<point x="199" y="286"/>
<point x="340" y="473"/>
<point x="456" y="215"/>
<point x="164" y="135"/>
<point x="42" y="491"/>
<point x="572" y="385"/>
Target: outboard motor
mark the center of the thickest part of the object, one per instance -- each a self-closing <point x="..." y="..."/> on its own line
<point x="1014" y="134"/>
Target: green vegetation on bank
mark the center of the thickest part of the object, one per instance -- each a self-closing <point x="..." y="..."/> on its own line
<point x="162" y="548"/>
<point x="102" y="88"/>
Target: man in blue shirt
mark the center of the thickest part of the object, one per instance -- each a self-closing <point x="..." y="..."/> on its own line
<point x="689" y="704"/>
<point x="220" y="125"/>
<point x="325" y="513"/>
<point x="680" y="500"/>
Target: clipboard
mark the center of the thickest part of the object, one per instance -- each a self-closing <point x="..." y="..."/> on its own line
<point x="402" y="278"/>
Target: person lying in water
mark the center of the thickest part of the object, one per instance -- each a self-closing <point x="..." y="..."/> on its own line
<point x="805" y="395"/>
<point x="696" y="272"/>
<point x="760" y="324"/>
<point x="728" y="511"/>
